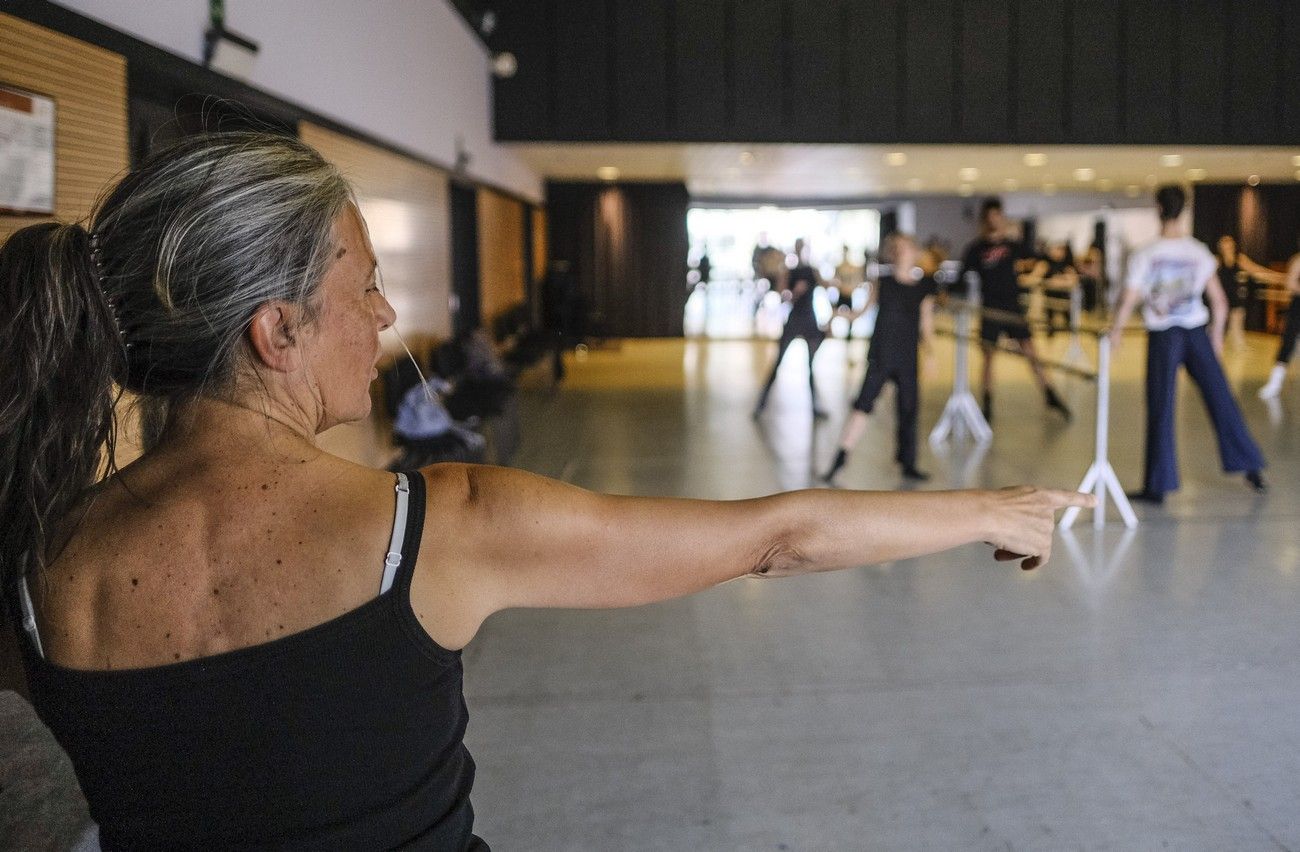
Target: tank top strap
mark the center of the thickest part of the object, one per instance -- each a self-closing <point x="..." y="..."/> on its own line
<point x="408" y="524"/>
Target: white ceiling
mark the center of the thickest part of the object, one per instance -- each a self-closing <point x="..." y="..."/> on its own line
<point x="847" y="171"/>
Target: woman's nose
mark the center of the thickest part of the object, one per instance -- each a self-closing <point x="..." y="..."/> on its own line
<point x="386" y="314"/>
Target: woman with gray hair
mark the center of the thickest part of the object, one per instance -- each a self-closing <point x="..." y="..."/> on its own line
<point x="243" y="641"/>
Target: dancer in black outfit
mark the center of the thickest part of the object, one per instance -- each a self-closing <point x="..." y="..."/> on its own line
<point x="906" y="318"/>
<point x="1289" y="333"/>
<point x="800" y="283"/>
<point x="993" y="258"/>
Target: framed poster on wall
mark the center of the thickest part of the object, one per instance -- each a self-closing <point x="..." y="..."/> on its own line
<point x="26" y="152"/>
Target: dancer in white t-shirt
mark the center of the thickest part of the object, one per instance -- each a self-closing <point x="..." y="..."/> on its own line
<point x="1168" y="278"/>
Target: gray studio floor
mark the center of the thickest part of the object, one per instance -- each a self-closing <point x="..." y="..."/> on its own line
<point x="1141" y="692"/>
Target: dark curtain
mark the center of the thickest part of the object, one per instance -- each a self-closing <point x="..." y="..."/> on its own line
<point x="1265" y="220"/>
<point x="627" y="245"/>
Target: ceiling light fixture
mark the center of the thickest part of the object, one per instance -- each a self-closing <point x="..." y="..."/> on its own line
<point x="746" y="158"/>
<point x="1034" y="159"/>
<point x="1171" y="161"/>
<point x="607" y="173"/>
<point x="1196" y="174"/>
<point x="1084" y="175"/>
<point x="1295" y="161"/>
<point x="1253" y="180"/>
<point x="968" y="174"/>
<point x="896" y="158"/>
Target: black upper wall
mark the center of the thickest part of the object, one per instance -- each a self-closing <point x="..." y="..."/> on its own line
<point x="994" y="71"/>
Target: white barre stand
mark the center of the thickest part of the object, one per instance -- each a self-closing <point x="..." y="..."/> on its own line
<point x="1101" y="477"/>
<point x="961" y="415"/>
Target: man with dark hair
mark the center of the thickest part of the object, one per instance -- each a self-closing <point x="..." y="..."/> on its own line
<point x="1169" y="278"/>
<point x="992" y="259"/>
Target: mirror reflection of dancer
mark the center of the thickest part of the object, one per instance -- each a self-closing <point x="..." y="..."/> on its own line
<point x="1169" y="277"/>
<point x="800" y="284"/>
<point x="1285" y="351"/>
<point x="993" y="258"/>
<point x="906" y="300"/>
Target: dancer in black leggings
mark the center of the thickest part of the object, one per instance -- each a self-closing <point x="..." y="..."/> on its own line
<point x="906" y="318"/>
<point x="1287" y="349"/>
<point x="800" y="284"/>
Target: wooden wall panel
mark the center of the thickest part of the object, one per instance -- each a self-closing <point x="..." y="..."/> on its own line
<point x="405" y="205"/>
<point x="88" y="85"/>
<point x="540" y="258"/>
<point x="502" y="277"/>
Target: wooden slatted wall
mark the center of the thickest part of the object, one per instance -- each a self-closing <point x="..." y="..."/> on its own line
<point x="502" y="284"/>
<point x="88" y="85"/>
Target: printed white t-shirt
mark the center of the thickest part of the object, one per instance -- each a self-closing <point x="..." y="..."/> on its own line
<point x="1171" y="274"/>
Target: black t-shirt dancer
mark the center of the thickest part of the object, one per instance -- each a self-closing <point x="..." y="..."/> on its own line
<point x="994" y="262"/>
<point x="801" y="283"/>
<point x="993" y="258"/>
<point x="904" y="297"/>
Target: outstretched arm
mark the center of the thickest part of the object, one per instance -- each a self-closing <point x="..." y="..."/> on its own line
<point x="1258" y="271"/>
<point x="1293" y="276"/>
<point x="513" y="539"/>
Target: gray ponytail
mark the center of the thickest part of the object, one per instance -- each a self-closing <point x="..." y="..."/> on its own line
<point x="190" y="244"/>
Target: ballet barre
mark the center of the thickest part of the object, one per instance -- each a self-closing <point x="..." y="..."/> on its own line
<point x="1101" y="478"/>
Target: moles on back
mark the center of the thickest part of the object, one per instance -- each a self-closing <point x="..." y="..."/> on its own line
<point x="177" y="560"/>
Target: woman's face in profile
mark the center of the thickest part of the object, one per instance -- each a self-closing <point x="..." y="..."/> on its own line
<point x="343" y="350"/>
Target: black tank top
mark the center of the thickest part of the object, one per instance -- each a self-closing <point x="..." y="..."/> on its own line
<point x="347" y="735"/>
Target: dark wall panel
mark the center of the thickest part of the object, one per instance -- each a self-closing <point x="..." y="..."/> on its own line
<point x="1040" y="82"/>
<point x="641" y="68"/>
<point x="1289" y="91"/>
<point x="995" y="71"/>
<point x="627" y="244"/>
<point x="815" y="97"/>
<point x="985" y="73"/>
<point x="521" y="103"/>
<point x="1149" y="55"/>
<point x="929" y="70"/>
<point x="580" y="63"/>
<point x="1095" y="93"/>
<point x="1254" y="62"/>
<point x="757" y="54"/>
<point x="702" y="69"/>
<point x="872" y="73"/>
<point x="1202" y="86"/>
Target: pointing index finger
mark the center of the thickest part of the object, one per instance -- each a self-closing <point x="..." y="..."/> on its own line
<point x="1071" y="499"/>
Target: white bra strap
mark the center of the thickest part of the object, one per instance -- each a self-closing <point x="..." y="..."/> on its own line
<point x="394" y="557"/>
<point x="29" y="616"/>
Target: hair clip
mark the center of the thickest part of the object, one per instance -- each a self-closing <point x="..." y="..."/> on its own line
<point x="96" y="258"/>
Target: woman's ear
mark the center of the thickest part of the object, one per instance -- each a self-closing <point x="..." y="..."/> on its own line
<point x="274" y="335"/>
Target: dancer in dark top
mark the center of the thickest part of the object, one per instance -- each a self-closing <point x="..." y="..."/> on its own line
<point x="800" y="284"/>
<point x="993" y="259"/>
<point x="906" y="319"/>
<point x="1238" y="275"/>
